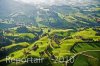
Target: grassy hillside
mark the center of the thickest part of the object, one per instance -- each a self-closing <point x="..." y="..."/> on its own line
<point x="58" y="43"/>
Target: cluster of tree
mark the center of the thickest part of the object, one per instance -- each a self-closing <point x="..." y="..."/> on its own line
<point x="22" y="29"/>
<point x="3" y="52"/>
<point x="35" y="47"/>
<point x="4" y="41"/>
<point x="26" y="52"/>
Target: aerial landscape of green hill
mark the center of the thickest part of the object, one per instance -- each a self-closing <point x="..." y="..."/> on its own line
<point x="49" y="33"/>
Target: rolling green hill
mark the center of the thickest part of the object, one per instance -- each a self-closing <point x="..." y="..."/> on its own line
<point x="61" y="33"/>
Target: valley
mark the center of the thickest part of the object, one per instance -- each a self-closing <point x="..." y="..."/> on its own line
<point x="66" y="33"/>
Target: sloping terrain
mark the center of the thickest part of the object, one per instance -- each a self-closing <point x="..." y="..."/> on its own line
<point x="64" y="33"/>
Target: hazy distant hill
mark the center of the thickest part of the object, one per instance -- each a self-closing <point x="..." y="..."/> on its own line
<point x="57" y="16"/>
